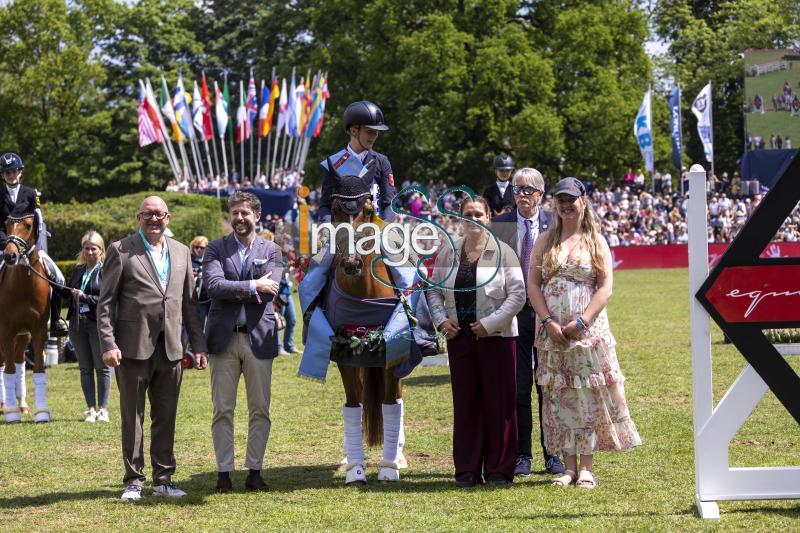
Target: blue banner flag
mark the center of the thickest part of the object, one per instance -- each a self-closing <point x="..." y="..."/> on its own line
<point x="676" y="131"/>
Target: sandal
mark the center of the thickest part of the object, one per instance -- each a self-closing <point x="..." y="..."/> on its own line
<point x="586" y="480"/>
<point x="564" y="480"/>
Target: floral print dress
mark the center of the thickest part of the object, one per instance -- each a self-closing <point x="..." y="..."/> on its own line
<point x="583" y="406"/>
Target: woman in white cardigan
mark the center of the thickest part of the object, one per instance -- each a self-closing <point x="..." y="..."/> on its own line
<point x="481" y="292"/>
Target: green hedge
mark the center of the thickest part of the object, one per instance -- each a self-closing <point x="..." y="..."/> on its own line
<point x="114" y="218"/>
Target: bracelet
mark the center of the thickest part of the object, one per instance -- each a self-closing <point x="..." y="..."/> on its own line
<point x="582" y="325"/>
<point x="546" y="319"/>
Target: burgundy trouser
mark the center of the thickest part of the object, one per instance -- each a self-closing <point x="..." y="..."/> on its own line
<point x="483" y="377"/>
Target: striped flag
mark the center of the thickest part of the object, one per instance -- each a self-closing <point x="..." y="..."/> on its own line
<point x="263" y="113"/>
<point x="252" y="102"/>
<point x="147" y="131"/>
<point x="208" y="129"/>
<point x="221" y="111"/>
<point x="182" y="113"/>
<point x="198" y="111"/>
<point x="283" y="109"/>
<point x="274" y="94"/>
<point x="300" y="107"/>
<point x="291" y="125"/>
<point x="325" y="96"/>
<point x="168" y="111"/>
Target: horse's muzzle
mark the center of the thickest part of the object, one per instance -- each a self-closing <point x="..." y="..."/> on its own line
<point x="11" y="258"/>
<point x="353" y="265"/>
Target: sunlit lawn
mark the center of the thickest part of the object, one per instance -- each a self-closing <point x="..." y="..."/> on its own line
<point x="67" y="474"/>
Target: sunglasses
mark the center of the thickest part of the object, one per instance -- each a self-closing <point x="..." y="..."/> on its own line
<point x="524" y="190"/>
<point x="199" y="247"/>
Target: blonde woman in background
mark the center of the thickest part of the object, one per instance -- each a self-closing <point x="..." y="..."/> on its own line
<point x="84" y="289"/>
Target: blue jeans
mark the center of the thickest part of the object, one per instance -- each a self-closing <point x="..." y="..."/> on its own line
<point x="291" y="319"/>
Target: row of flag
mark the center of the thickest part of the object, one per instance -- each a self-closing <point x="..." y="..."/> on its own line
<point x="701" y="108"/>
<point x="300" y="111"/>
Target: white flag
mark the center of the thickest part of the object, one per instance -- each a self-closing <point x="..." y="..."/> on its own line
<point x="643" y="131"/>
<point x="198" y="109"/>
<point x="222" y="112"/>
<point x="701" y="107"/>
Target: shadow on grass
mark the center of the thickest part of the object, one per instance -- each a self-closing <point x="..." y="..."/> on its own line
<point x="16" y="502"/>
<point x="288" y="479"/>
<point x="432" y="380"/>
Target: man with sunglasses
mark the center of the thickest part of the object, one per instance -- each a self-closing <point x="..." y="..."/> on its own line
<point x="519" y="229"/>
<point x="145" y="299"/>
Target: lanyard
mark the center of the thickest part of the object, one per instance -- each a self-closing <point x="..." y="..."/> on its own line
<point x="163" y="272"/>
<point x="88" y="275"/>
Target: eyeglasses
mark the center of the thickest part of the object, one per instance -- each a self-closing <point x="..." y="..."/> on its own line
<point x="199" y="247"/>
<point x="150" y="215"/>
<point x="524" y="190"/>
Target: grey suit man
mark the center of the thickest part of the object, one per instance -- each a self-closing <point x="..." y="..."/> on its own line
<point x="145" y="298"/>
<point x="526" y="223"/>
<point x="241" y="272"/>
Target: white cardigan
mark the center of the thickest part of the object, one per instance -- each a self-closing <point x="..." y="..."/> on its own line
<point x="497" y="302"/>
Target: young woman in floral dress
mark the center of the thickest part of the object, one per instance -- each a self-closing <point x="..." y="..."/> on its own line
<point x="584" y="406"/>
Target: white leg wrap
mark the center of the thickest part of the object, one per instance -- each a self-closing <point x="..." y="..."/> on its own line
<point x="41" y="413"/>
<point x="389" y="470"/>
<point x="21" y="389"/>
<point x="2" y="387"/>
<point x="402" y="462"/>
<point x="10" y="410"/>
<point x="40" y="386"/>
<point x="354" y="444"/>
<point x="10" y="390"/>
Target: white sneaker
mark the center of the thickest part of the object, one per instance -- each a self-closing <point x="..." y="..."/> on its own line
<point x="91" y="415"/>
<point x="132" y="493"/>
<point x="169" y="490"/>
<point x="102" y="415"/>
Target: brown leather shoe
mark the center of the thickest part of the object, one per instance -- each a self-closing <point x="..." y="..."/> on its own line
<point x="224" y="485"/>
<point x="255" y="483"/>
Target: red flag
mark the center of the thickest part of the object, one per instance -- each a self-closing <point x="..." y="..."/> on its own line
<point x="148" y="132"/>
<point x="208" y="130"/>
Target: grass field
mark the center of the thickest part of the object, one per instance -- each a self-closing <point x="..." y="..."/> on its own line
<point x="66" y="475"/>
<point x="771" y="122"/>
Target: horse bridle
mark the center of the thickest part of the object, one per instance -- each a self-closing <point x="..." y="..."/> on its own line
<point x="22" y="245"/>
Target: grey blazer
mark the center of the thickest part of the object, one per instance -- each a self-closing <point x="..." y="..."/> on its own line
<point x="229" y="289"/>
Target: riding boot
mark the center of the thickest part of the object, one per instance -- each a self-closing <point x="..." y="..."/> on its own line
<point x="41" y="413"/>
<point x="58" y="328"/>
<point x="354" y="445"/>
<point x="389" y="470"/>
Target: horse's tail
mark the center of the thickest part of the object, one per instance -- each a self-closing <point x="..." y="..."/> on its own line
<point x="373" y="381"/>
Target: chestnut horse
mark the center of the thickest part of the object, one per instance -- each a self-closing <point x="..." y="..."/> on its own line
<point x="25" y="301"/>
<point x="374" y="387"/>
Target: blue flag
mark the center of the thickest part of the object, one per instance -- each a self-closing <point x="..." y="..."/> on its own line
<point x="676" y="131"/>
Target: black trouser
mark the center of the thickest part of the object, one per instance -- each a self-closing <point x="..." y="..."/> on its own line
<point x="526" y="359"/>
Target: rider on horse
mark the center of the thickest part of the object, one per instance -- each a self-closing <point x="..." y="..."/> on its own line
<point x="19" y="200"/>
<point x="363" y="121"/>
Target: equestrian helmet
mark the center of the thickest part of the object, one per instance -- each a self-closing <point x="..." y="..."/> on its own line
<point x="364" y="113"/>
<point x="10" y="161"/>
<point x="503" y="162"/>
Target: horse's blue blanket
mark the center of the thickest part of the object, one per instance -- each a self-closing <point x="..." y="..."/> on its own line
<point x="404" y="345"/>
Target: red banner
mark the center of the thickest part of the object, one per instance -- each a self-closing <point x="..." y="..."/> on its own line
<point x="757" y="293"/>
<point x="677" y="256"/>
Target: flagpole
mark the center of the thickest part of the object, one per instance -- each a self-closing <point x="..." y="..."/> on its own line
<point x="165" y="142"/>
<point x="258" y="157"/>
<point x="652" y="136"/>
<point x="241" y="135"/>
<point x="198" y="161"/>
<point x="711" y="121"/>
<point x="251" y="126"/>
<point x="274" y="156"/>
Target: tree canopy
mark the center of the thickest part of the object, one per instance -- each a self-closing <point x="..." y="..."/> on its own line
<point x="555" y="84"/>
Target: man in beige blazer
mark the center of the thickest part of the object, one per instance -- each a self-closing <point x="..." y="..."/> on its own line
<point x="145" y="298"/>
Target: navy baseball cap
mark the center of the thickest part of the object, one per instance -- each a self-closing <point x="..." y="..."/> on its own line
<point x="570" y="186"/>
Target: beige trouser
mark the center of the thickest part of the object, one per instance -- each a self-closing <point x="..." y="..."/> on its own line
<point x="225" y="371"/>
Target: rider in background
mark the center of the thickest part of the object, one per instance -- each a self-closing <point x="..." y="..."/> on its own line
<point x="19" y="200"/>
<point x="363" y="121"/>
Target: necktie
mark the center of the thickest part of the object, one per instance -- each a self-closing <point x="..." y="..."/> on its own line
<point x="527" y="248"/>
